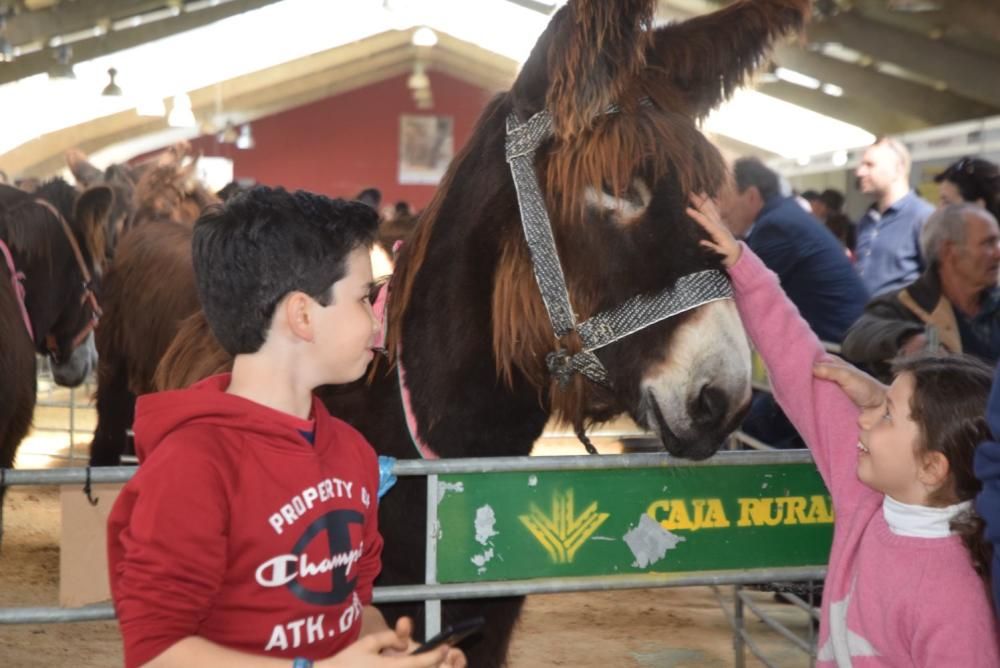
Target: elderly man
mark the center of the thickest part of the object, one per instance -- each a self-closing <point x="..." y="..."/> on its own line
<point x="955" y="303"/>
<point x="888" y="249"/>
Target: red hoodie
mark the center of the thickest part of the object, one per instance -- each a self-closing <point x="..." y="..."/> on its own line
<point x="236" y="529"/>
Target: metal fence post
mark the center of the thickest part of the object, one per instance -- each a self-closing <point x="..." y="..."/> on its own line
<point x="739" y="658"/>
<point x="432" y="607"/>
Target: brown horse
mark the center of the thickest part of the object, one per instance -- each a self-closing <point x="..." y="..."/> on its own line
<point x="615" y="171"/>
<point x="148" y="291"/>
<point x="53" y="236"/>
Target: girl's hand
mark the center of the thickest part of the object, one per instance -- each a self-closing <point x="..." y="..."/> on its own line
<point x="704" y="212"/>
<point x="860" y="388"/>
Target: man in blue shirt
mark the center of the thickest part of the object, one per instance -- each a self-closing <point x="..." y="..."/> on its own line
<point x="810" y="263"/>
<point x="888" y="246"/>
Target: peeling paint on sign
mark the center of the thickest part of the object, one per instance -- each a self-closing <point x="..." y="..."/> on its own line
<point x="650" y="542"/>
<point x="445" y="487"/>
<point x="532" y="481"/>
<point x="485" y="523"/>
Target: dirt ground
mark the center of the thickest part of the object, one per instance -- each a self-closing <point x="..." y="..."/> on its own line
<point x="656" y="628"/>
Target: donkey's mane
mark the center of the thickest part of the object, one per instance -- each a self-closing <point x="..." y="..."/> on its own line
<point x="29" y="227"/>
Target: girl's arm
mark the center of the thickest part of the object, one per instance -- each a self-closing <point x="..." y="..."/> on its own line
<point x="823" y="415"/>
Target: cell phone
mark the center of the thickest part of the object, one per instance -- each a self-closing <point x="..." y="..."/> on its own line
<point x="452" y="634"/>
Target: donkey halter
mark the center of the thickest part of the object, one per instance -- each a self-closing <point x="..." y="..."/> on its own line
<point x="88" y="287"/>
<point x="604" y="328"/>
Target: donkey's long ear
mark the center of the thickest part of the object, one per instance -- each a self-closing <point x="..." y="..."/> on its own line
<point x="91" y="214"/>
<point x="83" y="171"/>
<point x="702" y="61"/>
<point x="597" y="50"/>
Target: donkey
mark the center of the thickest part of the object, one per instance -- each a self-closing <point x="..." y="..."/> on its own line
<point x="52" y="241"/>
<point x="149" y="290"/>
<point x="534" y="285"/>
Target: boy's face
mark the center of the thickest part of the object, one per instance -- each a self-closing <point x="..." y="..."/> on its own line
<point x="345" y="330"/>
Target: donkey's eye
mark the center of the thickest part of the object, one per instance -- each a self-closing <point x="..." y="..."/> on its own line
<point x="626" y="204"/>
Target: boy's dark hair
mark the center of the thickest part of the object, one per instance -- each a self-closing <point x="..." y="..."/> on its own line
<point x="265" y="243"/>
<point x="809" y="195"/>
<point x="949" y="405"/>
<point x="752" y="172"/>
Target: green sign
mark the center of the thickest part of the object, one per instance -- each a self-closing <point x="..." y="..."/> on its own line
<point x="682" y="519"/>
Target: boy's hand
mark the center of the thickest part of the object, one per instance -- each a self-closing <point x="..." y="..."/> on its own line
<point x="372" y="651"/>
<point x="453" y="658"/>
<point x="862" y="389"/>
<point x="704" y="212"/>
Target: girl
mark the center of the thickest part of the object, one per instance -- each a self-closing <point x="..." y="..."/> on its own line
<point x="902" y="588"/>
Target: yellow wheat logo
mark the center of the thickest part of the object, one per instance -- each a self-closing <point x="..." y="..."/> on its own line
<point x="562" y="534"/>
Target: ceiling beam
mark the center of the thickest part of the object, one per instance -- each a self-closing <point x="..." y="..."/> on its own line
<point x="875" y="118"/>
<point x="274" y="90"/>
<point x="980" y="16"/>
<point x="934" y="107"/>
<point x="70" y="17"/>
<point x="965" y="72"/>
<point x="88" y="49"/>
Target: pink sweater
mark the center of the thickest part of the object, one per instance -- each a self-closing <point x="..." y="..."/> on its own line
<point x="889" y="600"/>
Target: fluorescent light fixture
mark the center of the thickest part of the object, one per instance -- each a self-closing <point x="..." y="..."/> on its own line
<point x="833" y="90"/>
<point x="839" y="158"/>
<point x="797" y="78"/>
<point x="781" y="127"/>
<point x="803" y="160"/>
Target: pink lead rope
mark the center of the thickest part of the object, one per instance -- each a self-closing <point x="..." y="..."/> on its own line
<point x="15" y="279"/>
<point x="379" y="308"/>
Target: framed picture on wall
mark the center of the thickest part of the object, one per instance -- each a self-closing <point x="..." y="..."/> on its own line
<point x="426" y="146"/>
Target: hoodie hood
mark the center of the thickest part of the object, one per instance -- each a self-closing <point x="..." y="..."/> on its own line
<point x="206" y="403"/>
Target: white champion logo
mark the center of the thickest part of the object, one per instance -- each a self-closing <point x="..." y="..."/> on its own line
<point x="281" y="570"/>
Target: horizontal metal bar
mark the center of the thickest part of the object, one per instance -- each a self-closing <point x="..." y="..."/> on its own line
<point x="410" y="467"/>
<point x="776" y="625"/>
<point x="756" y="444"/>
<point x="401" y="593"/>
<point x="91" y="613"/>
<point x="593" y="583"/>
<point x="800" y="603"/>
<point x="67" y="476"/>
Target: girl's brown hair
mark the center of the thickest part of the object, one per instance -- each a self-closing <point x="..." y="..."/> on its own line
<point x="949" y="405"/>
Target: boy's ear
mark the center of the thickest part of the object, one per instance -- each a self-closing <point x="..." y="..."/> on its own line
<point x="295" y="309"/>
<point x="934" y="471"/>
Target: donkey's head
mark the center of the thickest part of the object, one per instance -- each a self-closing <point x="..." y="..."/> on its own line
<point x="603" y="118"/>
<point x="623" y="157"/>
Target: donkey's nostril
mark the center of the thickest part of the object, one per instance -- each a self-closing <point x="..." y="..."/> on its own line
<point x="710" y="407"/>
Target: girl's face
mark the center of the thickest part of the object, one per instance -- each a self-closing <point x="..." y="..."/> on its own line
<point x="889" y="458"/>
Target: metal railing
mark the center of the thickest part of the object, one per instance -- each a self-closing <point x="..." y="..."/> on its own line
<point x="433" y="593"/>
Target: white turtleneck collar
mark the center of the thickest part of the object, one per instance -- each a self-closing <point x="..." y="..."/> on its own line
<point x="920" y="521"/>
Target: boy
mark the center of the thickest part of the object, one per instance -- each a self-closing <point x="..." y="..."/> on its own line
<point x="249" y="535"/>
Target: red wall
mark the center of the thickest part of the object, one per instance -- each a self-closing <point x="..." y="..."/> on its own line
<point x="343" y="144"/>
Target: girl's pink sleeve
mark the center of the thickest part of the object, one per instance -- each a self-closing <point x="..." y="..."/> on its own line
<point x="823" y="415"/>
